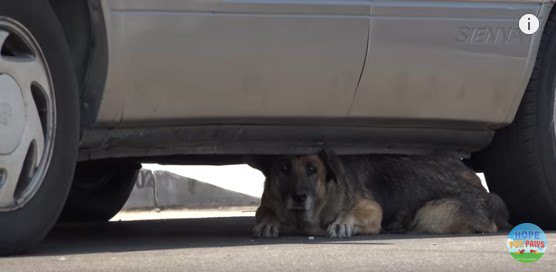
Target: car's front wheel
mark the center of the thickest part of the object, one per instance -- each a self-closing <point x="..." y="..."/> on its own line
<point x="520" y="163"/>
<point x="38" y="122"/>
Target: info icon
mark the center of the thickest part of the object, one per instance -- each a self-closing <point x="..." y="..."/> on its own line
<point x="529" y="23"/>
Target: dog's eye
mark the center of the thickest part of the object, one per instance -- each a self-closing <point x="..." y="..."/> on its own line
<point x="284" y="168"/>
<point x="311" y="168"/>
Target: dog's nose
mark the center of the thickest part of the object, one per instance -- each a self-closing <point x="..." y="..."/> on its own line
<point x="299" y="197"/>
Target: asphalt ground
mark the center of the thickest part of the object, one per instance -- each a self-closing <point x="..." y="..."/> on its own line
<point x="224" y="244"/>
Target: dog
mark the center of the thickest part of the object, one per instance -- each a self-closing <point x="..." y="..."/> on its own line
<point x="341" y="196"/>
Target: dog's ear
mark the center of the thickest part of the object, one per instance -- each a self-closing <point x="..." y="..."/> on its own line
<point x="261" y="163"/>
<point x="335" y="168"/>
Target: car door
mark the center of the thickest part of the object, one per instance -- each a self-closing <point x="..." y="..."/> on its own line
<point x="183" y="60"/>
<point x="431" y="61"/>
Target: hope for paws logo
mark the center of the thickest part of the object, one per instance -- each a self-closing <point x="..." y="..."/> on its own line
<point x="527" y="243"/>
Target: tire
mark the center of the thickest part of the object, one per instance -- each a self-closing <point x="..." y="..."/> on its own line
<point x="27" y="221"/>
<point x="520" y="163"/>
<point x="99" y="191"/>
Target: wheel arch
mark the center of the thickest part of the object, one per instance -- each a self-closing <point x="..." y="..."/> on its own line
<point x="85" y="30"/>
<point x="477" y="159"/>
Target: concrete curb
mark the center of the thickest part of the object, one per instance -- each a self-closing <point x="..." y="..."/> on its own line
<point x="165" y="190"/>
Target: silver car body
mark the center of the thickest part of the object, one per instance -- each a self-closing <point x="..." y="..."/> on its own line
<point x="197" y="76"/>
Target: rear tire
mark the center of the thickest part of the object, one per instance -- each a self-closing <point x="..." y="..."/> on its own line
<point x="99" y="191"/>
<point x="520" y="163"/>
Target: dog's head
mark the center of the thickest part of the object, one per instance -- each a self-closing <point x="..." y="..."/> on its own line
<point x="299" y="183"/>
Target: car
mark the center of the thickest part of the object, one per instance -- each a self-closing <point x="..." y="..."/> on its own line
<point x="90" y="89"/>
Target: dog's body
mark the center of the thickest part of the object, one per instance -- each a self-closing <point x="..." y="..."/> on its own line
<point x="429" y="194"/>
<point x="349" y="195"/>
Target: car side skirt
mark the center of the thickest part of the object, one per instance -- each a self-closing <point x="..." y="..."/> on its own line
<point x="278" y="139"/>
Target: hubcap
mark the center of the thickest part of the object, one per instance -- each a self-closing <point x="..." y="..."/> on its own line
<point x="27" y="116"/>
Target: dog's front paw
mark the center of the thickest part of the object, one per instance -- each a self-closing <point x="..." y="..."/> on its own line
<point x="266" y="230"/>
<point x="341" y="228"/>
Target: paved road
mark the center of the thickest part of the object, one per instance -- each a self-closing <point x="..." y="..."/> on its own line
<point x="223" y="244"/>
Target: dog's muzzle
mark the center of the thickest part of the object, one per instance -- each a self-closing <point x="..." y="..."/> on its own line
<point x="299" y="202"/>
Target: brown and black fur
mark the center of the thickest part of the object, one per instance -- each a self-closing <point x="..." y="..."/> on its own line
<point x="359" y="194"/>
<point x="297" y="199"/>
<point x="427" y="194"/>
